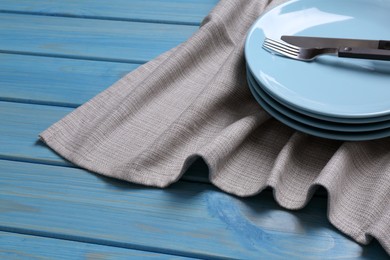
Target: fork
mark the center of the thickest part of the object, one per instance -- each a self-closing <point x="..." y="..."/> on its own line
<point x="308" y="54"/>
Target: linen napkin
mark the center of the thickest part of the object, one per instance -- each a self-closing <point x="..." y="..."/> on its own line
<point x="193" y="101"/>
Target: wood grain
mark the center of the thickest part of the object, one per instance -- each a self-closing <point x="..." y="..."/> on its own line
<point x="187" y="219"/>
<point x="89" y="39"/>
<point x="56" y="81"/>
<point x="54" y="56"/>
<point x="157" y="11"/>
<point x="19" y="246"/>
<point x="21" y="125"/>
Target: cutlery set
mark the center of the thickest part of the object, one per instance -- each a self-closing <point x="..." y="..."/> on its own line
<point x="308" y="48"/>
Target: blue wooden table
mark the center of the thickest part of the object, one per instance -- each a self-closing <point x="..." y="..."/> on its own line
<point x="54" y="56"/>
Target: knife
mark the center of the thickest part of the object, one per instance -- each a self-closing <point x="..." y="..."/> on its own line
<point x="320" y="42"/>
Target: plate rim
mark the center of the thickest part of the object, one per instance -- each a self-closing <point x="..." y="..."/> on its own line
<point x="326" y="125"/>
<point x="323" y="133"/>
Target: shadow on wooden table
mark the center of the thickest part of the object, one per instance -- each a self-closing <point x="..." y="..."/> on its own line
<point x="258" y="223"/>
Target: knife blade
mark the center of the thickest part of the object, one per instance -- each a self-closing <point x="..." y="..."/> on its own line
<point x="321" y="42"/>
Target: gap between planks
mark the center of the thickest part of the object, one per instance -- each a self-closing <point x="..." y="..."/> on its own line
<point x="108" y="18"/>
<point x="15" y="245"/>
<point x="102" y="242"/>
<point x="73" y="57"/>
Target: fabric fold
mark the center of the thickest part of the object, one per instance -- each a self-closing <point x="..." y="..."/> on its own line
<point x="193" y="101"/>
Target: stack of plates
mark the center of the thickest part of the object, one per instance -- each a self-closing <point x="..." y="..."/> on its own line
<point x="331" y="97"/>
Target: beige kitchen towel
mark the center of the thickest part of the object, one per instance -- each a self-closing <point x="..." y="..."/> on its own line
<point x="193" y="101"/>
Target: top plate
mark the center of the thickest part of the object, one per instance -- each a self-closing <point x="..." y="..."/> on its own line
<point x="330" y="86"/>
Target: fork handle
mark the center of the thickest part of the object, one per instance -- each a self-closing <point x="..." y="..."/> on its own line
<point x="364" y="53"/>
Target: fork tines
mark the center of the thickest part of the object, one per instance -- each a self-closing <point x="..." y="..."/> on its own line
<point x="281" y="48"/>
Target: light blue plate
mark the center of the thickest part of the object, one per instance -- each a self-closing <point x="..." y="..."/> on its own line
<point x="309" y="129"/>
<point x="341" y="88"/>
<point x="302" y="118"/>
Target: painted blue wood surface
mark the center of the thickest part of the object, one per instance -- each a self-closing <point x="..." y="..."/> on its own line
<point x="187" y="219"/>
<point x="21" y="125"/>
<point x="158" y="11"/>
<point x="26" y="247"/>
<point x="19" y="130"/>
<point x="60" y="61"/>
<point x="90" y="39"/>
<point x="55" y="81"/>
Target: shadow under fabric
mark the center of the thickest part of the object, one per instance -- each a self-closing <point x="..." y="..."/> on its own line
<point x="193" y="101"/>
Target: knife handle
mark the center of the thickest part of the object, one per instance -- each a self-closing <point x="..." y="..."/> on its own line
<point x="384" y="45"/>
<point x="364" y="53"/>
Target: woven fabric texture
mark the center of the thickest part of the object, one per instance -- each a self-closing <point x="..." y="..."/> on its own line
<point x="193" y="101"/>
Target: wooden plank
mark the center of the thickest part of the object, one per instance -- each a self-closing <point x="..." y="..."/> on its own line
<point x="56" y="81"/>
<point x="163" y="11"/>
<point x="187" y="219"/>
<point x="19" y="130"/>
<point x="21" y="125"/>
<point x="90" y="39"/>
<point x="19" y="246"/>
